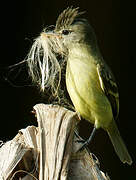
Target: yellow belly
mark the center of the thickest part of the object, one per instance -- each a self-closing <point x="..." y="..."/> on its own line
<point x="86" y="94"/>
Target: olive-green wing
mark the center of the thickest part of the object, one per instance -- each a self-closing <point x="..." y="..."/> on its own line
<point x="109" y="87"/>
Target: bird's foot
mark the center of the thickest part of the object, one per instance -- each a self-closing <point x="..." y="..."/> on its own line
<point x="87" y="142"/>
<point x="84" y="144"/>
<point x="82" y="141"/>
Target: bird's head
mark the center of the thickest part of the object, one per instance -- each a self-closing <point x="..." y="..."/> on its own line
<point x="74" y="29"/>
<point x="71" y="29"/>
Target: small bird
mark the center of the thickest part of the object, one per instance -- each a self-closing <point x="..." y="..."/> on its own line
<point x="90" y="82"/>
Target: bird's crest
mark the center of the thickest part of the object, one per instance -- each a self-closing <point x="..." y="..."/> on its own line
<point x="67" y="17"/>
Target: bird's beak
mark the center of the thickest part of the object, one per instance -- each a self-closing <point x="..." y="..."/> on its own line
<point x="50" y="35"/>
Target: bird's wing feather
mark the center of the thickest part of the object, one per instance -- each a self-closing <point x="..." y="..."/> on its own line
<point x="109" y="87"/>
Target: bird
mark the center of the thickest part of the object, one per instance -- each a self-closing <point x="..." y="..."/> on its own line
<point x="89" y="80"/>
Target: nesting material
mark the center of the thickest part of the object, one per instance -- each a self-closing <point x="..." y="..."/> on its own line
<point x="43" y="63"/>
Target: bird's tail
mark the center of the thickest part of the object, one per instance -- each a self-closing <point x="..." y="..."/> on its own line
<point x="118" y="143"/>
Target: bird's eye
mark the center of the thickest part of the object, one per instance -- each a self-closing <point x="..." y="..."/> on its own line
<point x="66" y="32"/>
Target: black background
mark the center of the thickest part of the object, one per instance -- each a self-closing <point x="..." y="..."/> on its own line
<point x="114" y="22"/>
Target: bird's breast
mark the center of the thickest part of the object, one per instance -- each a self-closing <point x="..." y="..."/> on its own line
<point x="84" y="87"/>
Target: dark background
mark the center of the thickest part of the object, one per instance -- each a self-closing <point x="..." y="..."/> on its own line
<point x="114" y="22"/>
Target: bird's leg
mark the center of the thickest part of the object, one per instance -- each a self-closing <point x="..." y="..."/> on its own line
<point x="87" y="142"/>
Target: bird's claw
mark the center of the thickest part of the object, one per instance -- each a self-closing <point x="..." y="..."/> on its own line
<point x="84" y="145"/>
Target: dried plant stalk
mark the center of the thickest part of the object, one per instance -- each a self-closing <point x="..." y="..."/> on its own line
<point x="48" y="152"/>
